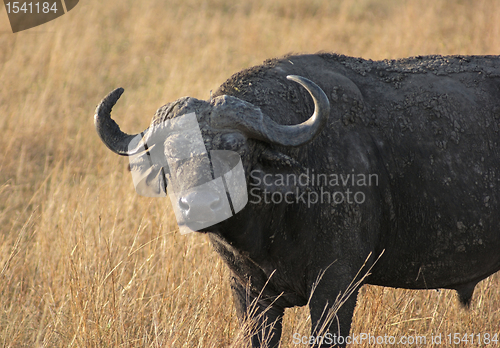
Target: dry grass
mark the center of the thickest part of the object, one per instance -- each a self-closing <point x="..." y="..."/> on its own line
<point x="84" y="261"/>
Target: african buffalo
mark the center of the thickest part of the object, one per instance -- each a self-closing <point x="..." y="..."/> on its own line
<point x="400" y="158"/>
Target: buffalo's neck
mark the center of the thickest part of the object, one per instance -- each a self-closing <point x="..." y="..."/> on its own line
<point x="261" y="251"/>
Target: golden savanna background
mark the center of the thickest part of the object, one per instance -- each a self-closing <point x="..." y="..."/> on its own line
<point x="84" y="260"/>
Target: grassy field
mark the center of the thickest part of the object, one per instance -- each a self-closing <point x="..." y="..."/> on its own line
<point x="86" y="262"/>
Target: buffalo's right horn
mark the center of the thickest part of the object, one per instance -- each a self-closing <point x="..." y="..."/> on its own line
<point x="249" y="119"/>
<point x="300" y="134"/>
<point x="109" y="132"/>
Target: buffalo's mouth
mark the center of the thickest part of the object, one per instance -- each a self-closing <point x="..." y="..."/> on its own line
<point x="204" y="190"/>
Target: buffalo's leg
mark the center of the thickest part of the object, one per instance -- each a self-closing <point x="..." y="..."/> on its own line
<point x="264" y="318"/>
<point x="326" y="328"/>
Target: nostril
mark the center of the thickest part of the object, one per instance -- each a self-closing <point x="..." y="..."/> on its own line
<point x="216" y="203"/>
<point x="200" y="202"/>
<point x="183" y="204"/>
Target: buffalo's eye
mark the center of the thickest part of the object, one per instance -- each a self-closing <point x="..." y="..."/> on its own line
<point x="231" y="141"/>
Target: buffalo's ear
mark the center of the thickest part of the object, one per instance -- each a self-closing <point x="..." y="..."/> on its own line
<point x="278" y="159"/>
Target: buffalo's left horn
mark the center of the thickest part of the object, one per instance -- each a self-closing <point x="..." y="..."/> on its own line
<point x="109" y="132"/>
<point x="304" y="132"/>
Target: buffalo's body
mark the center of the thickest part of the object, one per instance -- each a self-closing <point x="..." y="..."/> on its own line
<point x="428" y="127"/>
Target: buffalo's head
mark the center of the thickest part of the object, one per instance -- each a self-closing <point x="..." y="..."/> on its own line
<point x="193" y="150"/>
